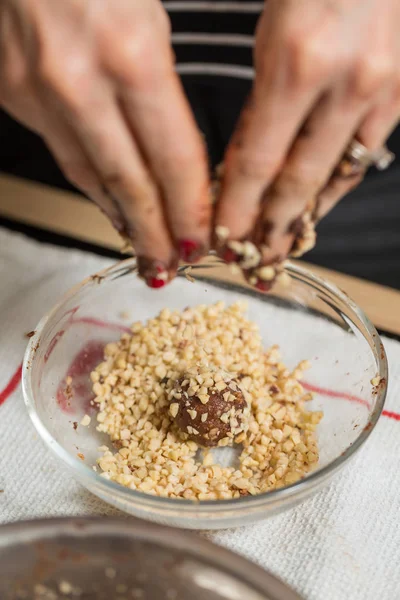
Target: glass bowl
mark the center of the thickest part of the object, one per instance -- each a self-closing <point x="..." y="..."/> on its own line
<point x="110" y="559"/>
<point x="309" y="319"/>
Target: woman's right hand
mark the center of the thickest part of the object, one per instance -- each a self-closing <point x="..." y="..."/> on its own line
<point x="96" y="80"/>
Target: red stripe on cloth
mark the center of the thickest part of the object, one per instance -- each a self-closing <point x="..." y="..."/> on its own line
<point x="391" y="415"/>
<point x="11" y="385"/>
<point x="15" y="379"/>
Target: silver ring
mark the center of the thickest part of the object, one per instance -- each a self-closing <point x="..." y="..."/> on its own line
<point x="357" y="159"/>
<point x="381" y="158"/>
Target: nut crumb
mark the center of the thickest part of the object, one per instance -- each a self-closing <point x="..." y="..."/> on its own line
<point x="127" y="248"/>
<point x="65" y="587"/>
<point x="139" y="402"/>
<point x="222" y="232"/>
<point x="86" y="421"/>
<point x="188" y="274"/>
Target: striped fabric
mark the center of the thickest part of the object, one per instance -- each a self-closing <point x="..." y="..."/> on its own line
<point x="214" y="38"/>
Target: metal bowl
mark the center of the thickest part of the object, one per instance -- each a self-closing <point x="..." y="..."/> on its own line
<point x="109" y="559"/>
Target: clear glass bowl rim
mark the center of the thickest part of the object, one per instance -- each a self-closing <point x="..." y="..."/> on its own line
<point x="197" y="507"/>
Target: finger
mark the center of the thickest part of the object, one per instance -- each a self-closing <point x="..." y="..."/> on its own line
<point x="372" y="133"/>
<point x="127" y="178"/>
<point x="101" y="129"/>
<point x="78" y="169"/>
<point x="140" y="62"/>
<point x="292" y="71"/>
<point x="257" y="151"/>
<point x="161" y="119"/>
<point x="309" y="164"/>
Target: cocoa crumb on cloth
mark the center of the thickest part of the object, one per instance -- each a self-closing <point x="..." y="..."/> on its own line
<point x="185" y="375"/>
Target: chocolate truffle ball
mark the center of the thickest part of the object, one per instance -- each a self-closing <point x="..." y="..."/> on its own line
<point x="209" y="408"/>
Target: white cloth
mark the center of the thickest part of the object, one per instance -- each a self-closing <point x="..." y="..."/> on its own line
<point x="343" y="544"/>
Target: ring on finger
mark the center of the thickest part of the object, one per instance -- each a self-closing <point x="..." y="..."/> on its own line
<point x="357" y="159"/>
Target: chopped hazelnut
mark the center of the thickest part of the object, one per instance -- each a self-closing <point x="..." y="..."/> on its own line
<point x="205" y="368"/>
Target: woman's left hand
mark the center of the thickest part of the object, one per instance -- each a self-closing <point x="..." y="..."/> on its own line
<point x="327" y="71"/>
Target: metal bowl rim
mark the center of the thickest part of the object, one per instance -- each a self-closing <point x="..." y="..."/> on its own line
<point x="202" y="550"/>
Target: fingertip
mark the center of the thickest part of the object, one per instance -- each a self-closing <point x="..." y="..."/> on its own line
<point x="155" y="283"/>
<point x="264" y="277"/>
<point x="238" y="207"/>
<point x="244" y="253"/>
<point x="263" y="286"/>
<point x="155" y="273"/>
<point x="191" y="251"/>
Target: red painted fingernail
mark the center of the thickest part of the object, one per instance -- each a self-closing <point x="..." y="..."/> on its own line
<point x="263" y="286"/>
<point x="160" y="279"/>
<point x="190" y="251"/>
<point x="228" y="255"/>
<point x="153" y="272"/>
<point x="155" y="283"/>
<point x="259" y="284"/>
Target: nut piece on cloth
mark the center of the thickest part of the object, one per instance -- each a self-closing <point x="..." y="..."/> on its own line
<point x="209" y="407"/>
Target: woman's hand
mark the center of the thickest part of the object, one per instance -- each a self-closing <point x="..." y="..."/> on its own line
<point x="96" y="80"/>
<point x="327" y="71"/>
